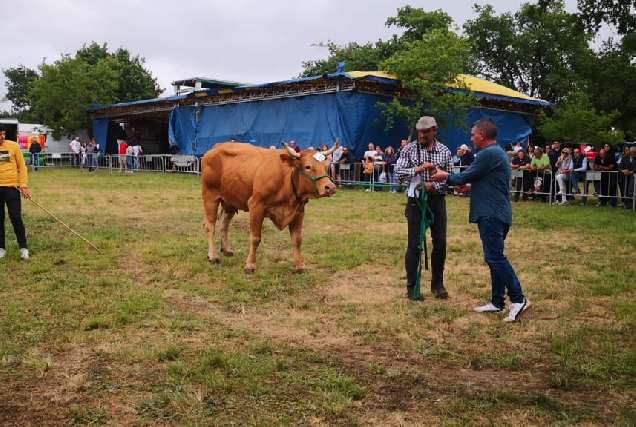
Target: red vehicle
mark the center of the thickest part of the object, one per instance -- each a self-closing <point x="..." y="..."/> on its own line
<point x="588" y="149"/>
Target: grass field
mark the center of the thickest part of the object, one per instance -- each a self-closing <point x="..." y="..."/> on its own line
<point x="149" y="333"/>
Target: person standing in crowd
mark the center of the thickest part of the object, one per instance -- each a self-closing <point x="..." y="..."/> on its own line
<point x="75" y="146"/>
<point x="129" y="157"/>
<point x="134" y="136"/>
<point x="579" y="171"/>
<point x="35" y="149"/>
<point x="511" y="152"/>
<point x="293" y="145"/>
<point x="403" y="144"/>
<point x="487" y="178"/>
<point x="121" y="150"/>
<point x="522" y="182"/>
<point x="564" y="169"/>
<point x="466" y="157"/>
<point x="542" y="173"/>
<point x="13" y="175"/>
<point x="626" y="171"/>
<point x="606" y="164"/>
<point x="412" y="167"/>
<point x="137" y="151"/>
<point x="89" y="155"/>
<point x="389" y="160"/>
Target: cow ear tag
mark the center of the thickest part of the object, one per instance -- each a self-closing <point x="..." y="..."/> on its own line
<point x="319" y="157"/>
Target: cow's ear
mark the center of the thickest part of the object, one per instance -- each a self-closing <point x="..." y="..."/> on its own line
<point x="288" y="160"/>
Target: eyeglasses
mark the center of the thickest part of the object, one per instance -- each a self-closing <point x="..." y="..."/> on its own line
<point x="425" y="131"/>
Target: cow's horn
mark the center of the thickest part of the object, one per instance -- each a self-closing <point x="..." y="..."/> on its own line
<point x="332" y="149"/>
<point x="291" y="151"/>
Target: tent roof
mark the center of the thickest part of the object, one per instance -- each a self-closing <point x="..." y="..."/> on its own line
<point x="207" y="83"/>
<point x="480" y="87"/>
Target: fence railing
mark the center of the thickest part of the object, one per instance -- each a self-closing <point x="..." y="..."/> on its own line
<point x="164" y="163"/>
<point x="610" y="188"/>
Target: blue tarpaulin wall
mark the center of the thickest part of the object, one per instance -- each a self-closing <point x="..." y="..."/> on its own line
<point x="511" y="127"/>
<point x="100" y="132"/>
<point x="309" y="120"/>
<point x="312" y="120"/>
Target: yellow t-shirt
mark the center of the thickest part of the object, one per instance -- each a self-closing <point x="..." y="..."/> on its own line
<point x="13" y="170"/>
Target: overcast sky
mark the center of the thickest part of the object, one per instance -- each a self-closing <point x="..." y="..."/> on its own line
<point x="249" y="41"/>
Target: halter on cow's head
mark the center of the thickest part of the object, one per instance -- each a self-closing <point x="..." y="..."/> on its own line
<point x="312" y="164"/>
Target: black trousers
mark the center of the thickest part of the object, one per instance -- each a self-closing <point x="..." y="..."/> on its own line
<point x="11" y="197"/>
<point x="438" y="235"/>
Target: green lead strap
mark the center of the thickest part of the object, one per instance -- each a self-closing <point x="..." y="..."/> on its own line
<point x="427" y="219"/>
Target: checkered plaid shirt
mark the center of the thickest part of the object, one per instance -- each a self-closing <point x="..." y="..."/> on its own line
<point x="439" y="156"/>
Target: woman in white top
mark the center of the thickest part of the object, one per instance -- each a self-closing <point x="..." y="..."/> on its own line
<point x="564" y="164"/>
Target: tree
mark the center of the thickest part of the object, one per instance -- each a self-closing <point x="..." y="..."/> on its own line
<point x="429" y="69"/>
<point x="415" y="23"/>
<point x="538" y="50"/>
<point x="135" y="81"/>
<point x="611" y="85"/>
<point x="356" y="57"/>
<point x="617" y="13"/>
<point x="19" y="80"/>
<point x="60" y="93"/>
<point x="577" y="120"/>
<point x="68" y="87"/>
<point x="427" y="59"/>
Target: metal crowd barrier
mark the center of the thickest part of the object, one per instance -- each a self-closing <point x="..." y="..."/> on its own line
<point x="611" y="188"/>
<point x="351" y="175"/>
<point x="164" y="163"/>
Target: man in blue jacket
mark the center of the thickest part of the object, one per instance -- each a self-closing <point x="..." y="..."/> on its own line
<point x="488" y="180"/>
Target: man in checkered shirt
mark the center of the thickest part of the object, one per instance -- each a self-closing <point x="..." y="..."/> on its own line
<point x="412" y="168"/>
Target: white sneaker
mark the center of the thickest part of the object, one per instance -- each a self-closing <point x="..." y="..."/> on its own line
<point x="517" y="310"/>
<point x="24" y="253"/>
<point x="3" y="252"/>
<point x="489" y="308"/>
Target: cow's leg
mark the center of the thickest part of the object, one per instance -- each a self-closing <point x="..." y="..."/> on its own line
<point x="227" y="214"/>
<point x="211" y="205"/>
<point x="256" y="226"/>
<point x="296" y="234"/>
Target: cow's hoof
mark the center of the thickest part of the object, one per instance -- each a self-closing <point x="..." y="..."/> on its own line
<point x="301" y="271"/>
<point x="249" y="271"/>
<point x="214" y="260"/>
<point x="228" y="253"/>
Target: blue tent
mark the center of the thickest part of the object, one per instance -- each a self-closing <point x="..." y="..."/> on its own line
<point x="316" y="110"/>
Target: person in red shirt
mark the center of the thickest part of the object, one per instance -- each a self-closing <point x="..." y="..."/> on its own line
<point x="122" y="145"/>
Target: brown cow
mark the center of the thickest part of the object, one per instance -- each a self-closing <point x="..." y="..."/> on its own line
<point x="266" y="183"/>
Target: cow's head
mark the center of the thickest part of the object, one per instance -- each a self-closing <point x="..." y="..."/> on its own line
<point x="313" y="171"/>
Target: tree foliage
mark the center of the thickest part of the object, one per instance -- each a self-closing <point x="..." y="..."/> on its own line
<point x="538" y="50"/>
<point x="427" y="68"/>
<point x="621" y="14"/>
<point x="356" y="57"/>
<point x="58" y="94"/>
<point x="577" y="120"/>
<point x="611" y="85"/>
<point x="19" y="81"/>
<point x="427" y="58"/>
<point x="413" y="22"/>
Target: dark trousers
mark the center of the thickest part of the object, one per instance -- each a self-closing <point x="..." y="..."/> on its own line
<point x="11" y="197"/>
<point x="626" y="184"/>
<point x="607" y="193"/>
<point x="35" y="161"/>
<point x="438" y="236"/>
<point x="522" y="184"/>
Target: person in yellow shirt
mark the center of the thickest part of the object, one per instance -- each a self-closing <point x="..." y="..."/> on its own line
<point x="13" y="175"/>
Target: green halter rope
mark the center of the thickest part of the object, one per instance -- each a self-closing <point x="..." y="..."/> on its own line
<point x="427" y="219"/>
